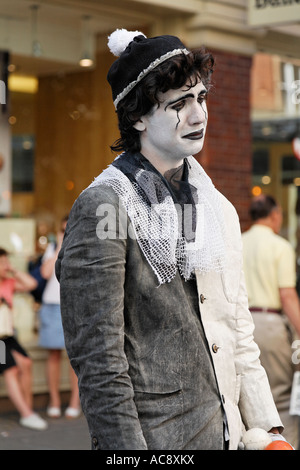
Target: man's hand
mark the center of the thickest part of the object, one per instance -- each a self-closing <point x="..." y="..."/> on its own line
<point x="274" y="431"/>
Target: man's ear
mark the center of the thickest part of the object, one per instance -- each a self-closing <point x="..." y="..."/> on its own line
<point x="139" y="125"/>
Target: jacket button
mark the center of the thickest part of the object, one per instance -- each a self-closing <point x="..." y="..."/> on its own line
<point x="95" y="443"/>
<point x="202" y="298"/>
<point x="214" y="348"/>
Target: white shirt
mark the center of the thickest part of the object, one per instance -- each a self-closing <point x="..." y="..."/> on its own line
<point x="269" y="264"/>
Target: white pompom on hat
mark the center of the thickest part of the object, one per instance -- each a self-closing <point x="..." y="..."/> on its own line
<point x="120" y="39"/>
<point x="137" y="56"/>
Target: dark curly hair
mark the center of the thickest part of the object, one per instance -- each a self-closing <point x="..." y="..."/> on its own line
<point x="171" y="74"/>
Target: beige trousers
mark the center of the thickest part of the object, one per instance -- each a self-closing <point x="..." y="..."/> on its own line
<point x="274" y="337"/>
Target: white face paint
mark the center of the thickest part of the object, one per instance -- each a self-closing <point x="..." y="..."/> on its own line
<point x="176" y="128"/>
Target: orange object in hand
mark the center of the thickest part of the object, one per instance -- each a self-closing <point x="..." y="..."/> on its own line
<point x="279" y="445"/>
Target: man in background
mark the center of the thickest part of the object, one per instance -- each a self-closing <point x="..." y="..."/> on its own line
<point x="270" y="272"/>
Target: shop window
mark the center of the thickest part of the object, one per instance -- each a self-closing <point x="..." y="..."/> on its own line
<point x="260" y="170"/>
<point x="260" y="162"/>
<point x="290" y="170"/>
<point x="22" y="163"/>
<point x="22" y="120"/>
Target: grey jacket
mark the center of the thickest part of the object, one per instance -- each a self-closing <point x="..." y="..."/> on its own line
<point x="135" y="346"/>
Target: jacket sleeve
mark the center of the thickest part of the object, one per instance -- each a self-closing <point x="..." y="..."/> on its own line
<point x="91" y="271"/>
<point x="256" y="403"/>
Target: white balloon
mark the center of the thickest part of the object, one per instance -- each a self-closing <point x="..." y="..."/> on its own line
<point x="256" y="439"/>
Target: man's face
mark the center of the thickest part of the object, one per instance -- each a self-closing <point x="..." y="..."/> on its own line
<point x="176" y="128"/>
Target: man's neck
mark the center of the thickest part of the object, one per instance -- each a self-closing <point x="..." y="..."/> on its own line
<point x="265" y="223"/>
<point x="163" y="165"/>
<point x="175" y="174"/>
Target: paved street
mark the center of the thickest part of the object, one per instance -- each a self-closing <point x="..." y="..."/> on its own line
<point x="62" y="434"/>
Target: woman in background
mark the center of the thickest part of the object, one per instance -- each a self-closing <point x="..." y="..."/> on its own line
<point x="51" y="333"/>
<point x="17" y="370"/>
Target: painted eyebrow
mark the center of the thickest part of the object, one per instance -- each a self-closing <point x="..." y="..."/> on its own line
<point x="184" y="97"/>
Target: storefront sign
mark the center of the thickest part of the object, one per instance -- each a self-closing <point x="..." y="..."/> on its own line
<point x="271" y="12"/>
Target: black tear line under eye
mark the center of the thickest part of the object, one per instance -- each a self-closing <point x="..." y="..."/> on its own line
<point x="178" y="122"/>
<point x="204" y="110"/>
<point x="177" y="111"/>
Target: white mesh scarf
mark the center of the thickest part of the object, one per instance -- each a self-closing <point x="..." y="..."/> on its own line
<point x="157" y="224"/>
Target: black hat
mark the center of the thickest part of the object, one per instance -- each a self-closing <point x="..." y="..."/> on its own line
<point x="138" y="55"/>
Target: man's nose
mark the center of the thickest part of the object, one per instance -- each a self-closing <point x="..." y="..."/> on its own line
<point x="198" y="113"/>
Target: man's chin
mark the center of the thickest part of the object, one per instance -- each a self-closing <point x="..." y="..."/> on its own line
<point x="197" y="148"/>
